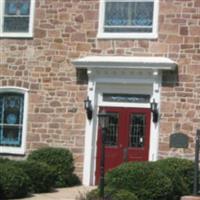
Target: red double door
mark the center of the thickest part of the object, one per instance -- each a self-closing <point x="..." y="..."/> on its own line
<point x="127" y="137"/>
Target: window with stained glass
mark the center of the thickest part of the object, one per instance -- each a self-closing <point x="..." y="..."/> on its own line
<point x="123" y="17"/>
<point x="17" y="17"/>
<point x="11" y="119"/>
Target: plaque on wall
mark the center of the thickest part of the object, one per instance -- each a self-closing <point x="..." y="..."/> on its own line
<point x="179" y="140"/>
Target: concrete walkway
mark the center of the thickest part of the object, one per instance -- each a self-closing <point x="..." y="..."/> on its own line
<point x="72" y="193"/>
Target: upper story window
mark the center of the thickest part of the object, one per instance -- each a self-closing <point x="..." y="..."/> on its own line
<point x="16" y="19"/>
<point x="128" y="19"/>
<point x="13" y="111"/>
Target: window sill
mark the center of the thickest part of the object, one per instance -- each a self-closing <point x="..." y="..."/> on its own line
<point x="12" y="150"/>
<point x="127" y="36"/>
<point x="16" y="35"/>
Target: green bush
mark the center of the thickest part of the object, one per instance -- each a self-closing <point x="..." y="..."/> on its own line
<point x="92" y="195"/>
<point x="61" y="162"/>
<point x="143" y="179"/>
<point x="111" y="194"/>
<point x="73" y="180"/>
<point x="124" y="195"/>
<point x="181" y="174"/>
<point x="166" y="179"/>
<point x="40" y="174"/>
<point x="14" y="183"/>
<point x="4" y="160"/>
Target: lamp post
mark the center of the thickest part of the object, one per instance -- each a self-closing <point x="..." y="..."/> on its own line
<point x="103" y="122"/>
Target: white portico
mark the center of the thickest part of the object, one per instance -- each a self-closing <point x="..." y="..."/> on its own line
<point x="125" y="76"/>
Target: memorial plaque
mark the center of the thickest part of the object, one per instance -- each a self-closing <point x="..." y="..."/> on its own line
<point x="179" y="140"/>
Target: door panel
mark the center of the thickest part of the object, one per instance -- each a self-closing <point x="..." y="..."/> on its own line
<point x="127" y="137"/>
<point x="113" y="150"/>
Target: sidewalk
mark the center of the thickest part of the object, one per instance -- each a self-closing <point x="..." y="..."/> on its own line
<point x="62" y="194"/>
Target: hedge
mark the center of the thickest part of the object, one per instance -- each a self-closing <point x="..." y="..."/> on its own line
<point x="4" y="160"/>
<point x="180" y="172"/>
<point x="166" y="179"/>
<point x="124" y="195"/>
<point x="41" y="175"/>
<point x="14" y="182"/>
<point x="61" y="161"/>
<point x="142" y="179"/>
<point x="111" y="194"/>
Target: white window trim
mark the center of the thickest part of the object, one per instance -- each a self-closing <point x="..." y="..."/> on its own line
<point x="17" y="150"/>
<point x="18" y="34"/>
<point x="153" y="35"/>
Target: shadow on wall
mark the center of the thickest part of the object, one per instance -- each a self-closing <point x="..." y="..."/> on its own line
<point x="82" y="77"/>
<point x="170" y="78"/>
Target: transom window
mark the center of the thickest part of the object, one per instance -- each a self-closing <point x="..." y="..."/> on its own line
<point x="128" y="18"/>
<point x="16" y="18"/>
<point x="126" y="98"/>
<point x="13" y="115"/>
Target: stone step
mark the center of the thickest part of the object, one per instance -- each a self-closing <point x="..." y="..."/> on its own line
<point x="190" y="198"/>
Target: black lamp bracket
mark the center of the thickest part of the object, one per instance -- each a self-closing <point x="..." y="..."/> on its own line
<point x="154" y="111"/>
<point x="88" y="108"/>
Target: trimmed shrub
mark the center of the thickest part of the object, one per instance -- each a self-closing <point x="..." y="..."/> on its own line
<point x="111" y="194"/>
<point x="93" y="195"/>
<point x="61" y="162"/>
<point x="143" y="179"/>
<point x="124" y="195"/>
<point x="167" y="179"/>
<point x="181" y="174"/>
<point x="40" y="174"/>
<point x="14" y="183"/>
<point x="4" y="160"/>
<point x="73" y="180"/>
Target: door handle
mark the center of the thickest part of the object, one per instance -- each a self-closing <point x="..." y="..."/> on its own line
<point x="125" y="154"/>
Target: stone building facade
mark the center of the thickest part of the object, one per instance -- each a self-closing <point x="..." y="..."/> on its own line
<point x="55" y="66"/>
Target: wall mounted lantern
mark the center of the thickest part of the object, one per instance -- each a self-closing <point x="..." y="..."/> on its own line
<point x="88" y="108"/>
<point x="103" y="123"/>
<point x="154" y="110"/>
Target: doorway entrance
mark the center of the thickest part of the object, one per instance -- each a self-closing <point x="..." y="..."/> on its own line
<point x="127" y="138"/>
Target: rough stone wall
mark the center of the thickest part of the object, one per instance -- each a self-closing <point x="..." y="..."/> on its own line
<point x="67" y="29"/>
<point x="180" y="108"/>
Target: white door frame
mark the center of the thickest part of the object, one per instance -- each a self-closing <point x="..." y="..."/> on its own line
<point x="108" y="80"/>
<point x="122" y="70"/>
